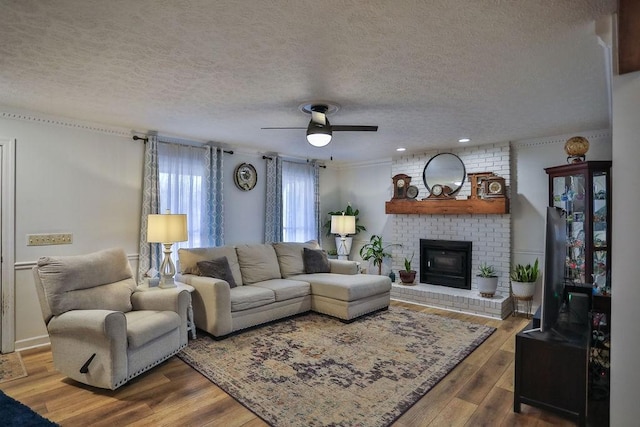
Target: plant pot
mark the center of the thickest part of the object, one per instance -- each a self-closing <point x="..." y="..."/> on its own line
<point x="523" y="289"/>
<point x="487" y="286"/>
<point x="407" y="277"/>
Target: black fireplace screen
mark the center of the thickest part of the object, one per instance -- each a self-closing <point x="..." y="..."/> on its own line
<point x="446" y="263"/>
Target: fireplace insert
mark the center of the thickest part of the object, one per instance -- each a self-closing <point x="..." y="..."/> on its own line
<point x="446" y="263"/>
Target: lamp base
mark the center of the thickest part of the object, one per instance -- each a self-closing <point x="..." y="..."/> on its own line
<point x="167" y="282"/>
<point x="343" y="244"/>
<point x="167" y="269"/>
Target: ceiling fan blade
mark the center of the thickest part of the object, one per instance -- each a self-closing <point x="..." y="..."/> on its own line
<point x="354" y="128"/>
<point x="283" y="128"/>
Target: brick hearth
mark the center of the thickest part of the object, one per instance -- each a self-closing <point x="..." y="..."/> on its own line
<point x="462" y="300"/>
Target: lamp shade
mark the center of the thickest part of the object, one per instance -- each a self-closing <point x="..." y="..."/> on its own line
<point x="343" y="224"/>
<point x="166" y="228"/>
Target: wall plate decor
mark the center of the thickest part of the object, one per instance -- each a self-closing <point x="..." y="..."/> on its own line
<point x="412" y="192"/>
<point x="400" y="184"/>
<point x="493" y="186"/>
<point x="245" y="176"/>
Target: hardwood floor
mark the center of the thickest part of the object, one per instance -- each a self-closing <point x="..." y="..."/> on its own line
<point x="478" y="392"/>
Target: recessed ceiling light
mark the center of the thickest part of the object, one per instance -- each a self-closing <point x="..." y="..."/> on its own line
<point x="464" y="140"/>
<point x="401" y="149"/>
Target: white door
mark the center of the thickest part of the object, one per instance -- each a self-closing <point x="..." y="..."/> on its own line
<point x="7" y="237"/>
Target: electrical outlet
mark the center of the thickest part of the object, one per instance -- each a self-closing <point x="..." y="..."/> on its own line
<point x="49" y="239"/>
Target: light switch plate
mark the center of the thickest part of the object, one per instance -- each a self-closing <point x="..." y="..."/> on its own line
<point x="49" y="239"/>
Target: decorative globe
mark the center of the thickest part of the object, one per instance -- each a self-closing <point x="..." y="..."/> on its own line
<point x="576" y="146"/>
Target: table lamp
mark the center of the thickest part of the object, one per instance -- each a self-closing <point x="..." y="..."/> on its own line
<point x="343" y="225"/>
<point x="167" y="229"/>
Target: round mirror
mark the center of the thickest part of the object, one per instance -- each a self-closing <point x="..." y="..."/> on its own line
<point x="445" y="169"/>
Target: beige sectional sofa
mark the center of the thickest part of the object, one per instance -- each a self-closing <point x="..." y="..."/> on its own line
<point x="273" y="281"/>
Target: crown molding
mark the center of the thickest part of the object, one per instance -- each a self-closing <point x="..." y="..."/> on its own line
<point x="46" y="119"/>
<point x="591" y="135"/>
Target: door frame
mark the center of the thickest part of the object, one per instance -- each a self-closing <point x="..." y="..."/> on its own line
<point x="7" y="233"/>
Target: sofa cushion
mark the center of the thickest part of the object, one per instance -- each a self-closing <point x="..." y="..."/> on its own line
<point x="315" y="261"/>
<point x="346" y="287"/>
<point x="290" y="256"/>
<point x="218" y="269"/>
<point x="101" y="280"/>
<point x="285" y="289"/>
<point x="246" y="297"/>
<point x="189" y="258"/>
<point x="258" y="263"/>
<point x="144" y="326"/>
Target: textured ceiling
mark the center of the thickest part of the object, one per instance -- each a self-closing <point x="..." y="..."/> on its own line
<point x="426" y="72"/>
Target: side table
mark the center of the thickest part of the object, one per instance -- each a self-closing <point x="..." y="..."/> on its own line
<point x="191" y="326"/>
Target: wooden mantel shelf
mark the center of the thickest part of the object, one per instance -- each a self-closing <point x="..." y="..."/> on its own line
<point x="440" y="207"/>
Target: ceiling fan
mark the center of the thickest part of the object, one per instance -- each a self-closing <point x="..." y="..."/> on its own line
<point x="320" y="130"/>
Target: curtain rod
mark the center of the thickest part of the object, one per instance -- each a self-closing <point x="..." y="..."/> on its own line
<point x="139" y="138"/>
<point x="293" y="161"/>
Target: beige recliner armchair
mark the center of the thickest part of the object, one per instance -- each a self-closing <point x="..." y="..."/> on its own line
<point x="102" y="332"/>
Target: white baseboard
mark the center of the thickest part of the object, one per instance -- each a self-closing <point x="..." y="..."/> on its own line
<point x="32" y="343"/>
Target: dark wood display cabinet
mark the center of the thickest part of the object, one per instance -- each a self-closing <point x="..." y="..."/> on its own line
<point x="552" y="371"/>
<point x="583" y="191"/>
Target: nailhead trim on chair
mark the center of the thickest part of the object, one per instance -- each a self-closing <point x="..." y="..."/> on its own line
<point x="146" y="368"/>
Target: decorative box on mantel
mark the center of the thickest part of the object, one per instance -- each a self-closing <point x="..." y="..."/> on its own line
<point x="475" y="204"/>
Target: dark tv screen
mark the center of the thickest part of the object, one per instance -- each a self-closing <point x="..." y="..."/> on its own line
<point x="554" y="267"/>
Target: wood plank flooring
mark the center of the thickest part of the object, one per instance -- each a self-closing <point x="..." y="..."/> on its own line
<point x="478" y="392"/>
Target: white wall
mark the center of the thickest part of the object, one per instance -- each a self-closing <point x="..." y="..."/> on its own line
<point x="625" y="287"/>
<point x="87" y="180"/>
<point x="530" y="189"/>
<point x="244" y="210"/>
<point x="69" y="179"/>
<point x="366" y="186"/>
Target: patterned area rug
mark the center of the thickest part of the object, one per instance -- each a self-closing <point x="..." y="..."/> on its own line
<point x="314" y="370"/>
<point x="11" y="367"/>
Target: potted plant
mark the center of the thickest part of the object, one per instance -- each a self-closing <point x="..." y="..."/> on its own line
<point x="332" y="254"/>
<point x="349" y="239"/>
<point x="487" y="280"/>
<point x="523" y="279"/>
<point x="407" y="276"/>
<point x="375" y="250"/>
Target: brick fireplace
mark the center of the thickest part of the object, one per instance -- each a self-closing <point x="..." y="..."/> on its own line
<point x="489" y="234"/>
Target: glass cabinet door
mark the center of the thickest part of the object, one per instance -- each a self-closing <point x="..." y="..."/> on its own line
<point x="582" y="190"/>
<point x="600" y="271"/>
<point x="569" y="195"/>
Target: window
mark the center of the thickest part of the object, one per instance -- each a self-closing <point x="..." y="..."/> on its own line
<point x="186" y="186"/>
<point x="299" y="202"/>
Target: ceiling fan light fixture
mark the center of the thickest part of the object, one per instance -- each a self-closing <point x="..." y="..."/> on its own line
<point x="318" y="139"/>
<point x="319" y="134"/>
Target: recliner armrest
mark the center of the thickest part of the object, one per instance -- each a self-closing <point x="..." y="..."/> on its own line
<point x="90" y="322"/>
<point x="176" y="300"/>
<point x="162" y="300"/>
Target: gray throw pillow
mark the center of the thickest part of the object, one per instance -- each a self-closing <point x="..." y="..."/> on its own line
<point x="218" y="269"/>
<point x="315" y="261"/>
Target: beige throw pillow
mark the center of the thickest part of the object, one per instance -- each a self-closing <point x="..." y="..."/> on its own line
<point x="258" y="263"/>
<point x="290" y="256"/>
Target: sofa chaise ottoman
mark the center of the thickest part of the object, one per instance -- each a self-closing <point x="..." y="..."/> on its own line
<point x="237" y="287"/>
